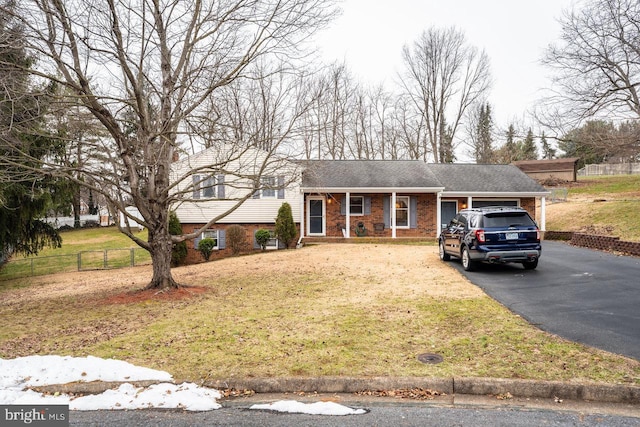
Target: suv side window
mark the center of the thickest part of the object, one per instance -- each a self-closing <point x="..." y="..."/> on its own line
<point x="474" y="221"/>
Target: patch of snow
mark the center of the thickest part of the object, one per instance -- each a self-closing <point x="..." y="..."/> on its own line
<point x="16" y="375"/>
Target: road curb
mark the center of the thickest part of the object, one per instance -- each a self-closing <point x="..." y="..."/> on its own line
<point x="594" y="392"/>
<point x="610" y="393"/>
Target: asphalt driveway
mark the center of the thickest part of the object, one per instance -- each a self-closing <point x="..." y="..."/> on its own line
<point x="586" y="296"/>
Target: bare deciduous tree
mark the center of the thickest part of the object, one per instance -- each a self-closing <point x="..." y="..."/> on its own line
<point x="444" y="76"/>
<point x="597" y="63"/>
<point x="144" y="69"/>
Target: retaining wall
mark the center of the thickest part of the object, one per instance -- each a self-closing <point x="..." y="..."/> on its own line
<point x="604" y="243"/>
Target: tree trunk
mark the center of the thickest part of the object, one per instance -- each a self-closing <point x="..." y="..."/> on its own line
<point x="161" y="246"/>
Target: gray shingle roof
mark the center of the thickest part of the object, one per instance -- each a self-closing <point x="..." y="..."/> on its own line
<point x="484" y="178"/>
<point x="462" y="178"/>
<point x="368" y="174"/>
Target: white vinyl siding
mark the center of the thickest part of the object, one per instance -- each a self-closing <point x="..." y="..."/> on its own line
<point x="228" y="189"/>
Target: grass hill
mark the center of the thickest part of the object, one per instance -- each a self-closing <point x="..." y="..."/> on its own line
<point x="605" y="205"/>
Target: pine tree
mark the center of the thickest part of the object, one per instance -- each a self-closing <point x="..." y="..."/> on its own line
<point x="548" y="152"/>
<point x="510" y="145"/>
<point x="529" y="150"/>
<point x="24" y="197"/>
<point x="484" y="149"/>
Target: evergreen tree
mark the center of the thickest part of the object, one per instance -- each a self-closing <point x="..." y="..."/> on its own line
<point x="24" y="197"/>
<point x="548" y="152"/>
<point x="179" y="250"/>
<point x="484" y="148"/>
<point x="529" y="150"/>
<point x="285" y="229"/>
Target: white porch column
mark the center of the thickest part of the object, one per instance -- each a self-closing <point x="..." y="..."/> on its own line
<point x="438" y="214"/>
<point x="393" y="215"/>
<point x="543" y="213"/>
<point x="348" y="213"/>
<point x="470" y="202"/>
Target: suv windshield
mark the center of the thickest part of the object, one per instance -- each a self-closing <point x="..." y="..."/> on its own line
<point x="508" y="219"/>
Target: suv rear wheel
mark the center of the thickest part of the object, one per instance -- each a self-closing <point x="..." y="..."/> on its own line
<point x="530" y="265"/>
<point x="467" y="263"/>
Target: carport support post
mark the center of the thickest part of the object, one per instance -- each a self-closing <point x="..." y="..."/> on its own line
<point x="543" y="213"/>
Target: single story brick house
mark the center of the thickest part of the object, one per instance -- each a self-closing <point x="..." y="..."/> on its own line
<point x="343" y="199"/>
<point x="425" y="196"/>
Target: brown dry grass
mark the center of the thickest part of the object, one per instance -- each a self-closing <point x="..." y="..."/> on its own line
<point x="341" y="309"/>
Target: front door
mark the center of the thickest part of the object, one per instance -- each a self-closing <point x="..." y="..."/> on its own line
<point x="448" y="209"/>
<point x="315" y="216"/>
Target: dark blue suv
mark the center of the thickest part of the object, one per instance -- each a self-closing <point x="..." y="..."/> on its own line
<point x="491" y="234"/>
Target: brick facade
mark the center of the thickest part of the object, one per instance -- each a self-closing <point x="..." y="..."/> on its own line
<point x="374" y="222"/>
<point x="194" y="257"/>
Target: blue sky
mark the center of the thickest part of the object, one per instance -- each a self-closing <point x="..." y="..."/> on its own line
<point x="369" y="37"/>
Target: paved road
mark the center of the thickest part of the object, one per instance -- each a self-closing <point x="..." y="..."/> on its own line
<point x="379" y="415"/>
<point x="587" y="296"/>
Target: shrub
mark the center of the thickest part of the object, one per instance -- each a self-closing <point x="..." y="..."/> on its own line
<point x="236" y="239"/>
<point x="206" y="247"/>
<point x="285" y="226"/>
<point x="179" y="250"/>
<point x="262" y="237"/>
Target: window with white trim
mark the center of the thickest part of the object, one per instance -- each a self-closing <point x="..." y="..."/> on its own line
<point x="211" y="234"/>
<point x="269" y="185"/>
<point x="272" y="243"/>
<point x="356" y="205"/>
<point x="402" y="212"/>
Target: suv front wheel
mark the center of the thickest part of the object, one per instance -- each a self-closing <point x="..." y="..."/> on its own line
<point x="467" y="263"/>
<point x="443" y="255"/>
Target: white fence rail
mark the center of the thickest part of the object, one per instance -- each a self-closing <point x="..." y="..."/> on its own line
<point x="610" y="169"/>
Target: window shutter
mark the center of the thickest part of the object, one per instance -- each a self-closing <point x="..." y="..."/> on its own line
<point x="280" y="186"/>
<point x="196" y="241"/>
<point x="222" y="239"/>
<point x="281" y="245"/>
<point x="221" y="194"/>
<point x="255" y="242"/>
<point x="343" y="206"/>
<point x="413" y="212"/>
<point x="196" y="186"/>
<point x="367" y="205"/>
<point x="386" y="211"/>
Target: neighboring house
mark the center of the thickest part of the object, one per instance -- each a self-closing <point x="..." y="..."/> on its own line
<point x="349" y="198"/>
<point x="561" y="169"/>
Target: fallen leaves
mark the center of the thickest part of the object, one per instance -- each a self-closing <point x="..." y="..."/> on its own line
<point x="404" y="393"/>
